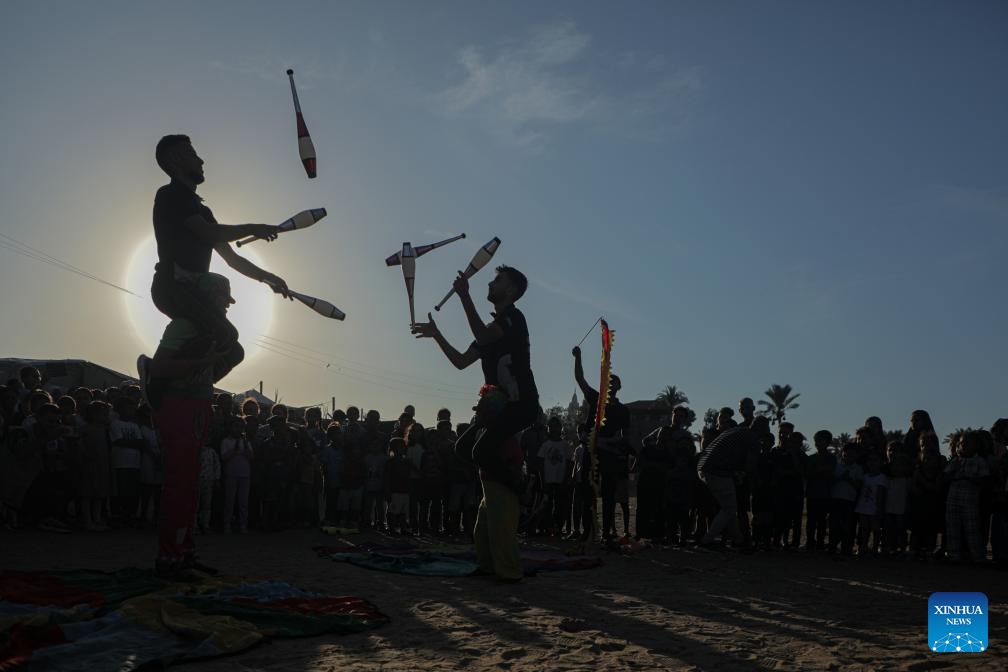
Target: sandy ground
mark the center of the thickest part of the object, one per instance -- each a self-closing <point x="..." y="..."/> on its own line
<point x="656" y="609"/>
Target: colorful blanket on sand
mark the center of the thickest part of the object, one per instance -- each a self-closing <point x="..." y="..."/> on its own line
<point x="445" y="561"/>
<point x="131" y="619"/>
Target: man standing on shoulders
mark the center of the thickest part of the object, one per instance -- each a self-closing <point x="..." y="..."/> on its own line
<point x="502" y="348"/>
<point x="187" y="235"/>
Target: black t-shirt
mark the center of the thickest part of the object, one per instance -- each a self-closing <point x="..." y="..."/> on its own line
<point x="617" y="415"/>
<point x="507" y="361"/>
<point x="176" y="244"/>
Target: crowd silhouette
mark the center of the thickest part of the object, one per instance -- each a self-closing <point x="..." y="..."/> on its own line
<point x="88" y="459"/>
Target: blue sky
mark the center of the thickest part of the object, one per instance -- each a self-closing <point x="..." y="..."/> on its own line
<point x="801" y="193"/>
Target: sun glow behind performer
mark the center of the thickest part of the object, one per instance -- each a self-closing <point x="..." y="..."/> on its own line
<point x="252" y="314"/>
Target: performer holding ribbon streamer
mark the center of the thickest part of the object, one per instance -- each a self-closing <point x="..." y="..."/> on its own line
<point x="609" y="422"/>
<point x="508" y="404"/>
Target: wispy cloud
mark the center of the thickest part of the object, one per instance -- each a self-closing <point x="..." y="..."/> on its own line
<point x="551" y="77"/>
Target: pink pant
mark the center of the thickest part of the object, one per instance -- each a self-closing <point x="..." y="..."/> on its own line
<point x="182" y="425"/>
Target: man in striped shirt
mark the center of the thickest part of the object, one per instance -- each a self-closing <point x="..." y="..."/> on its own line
<point x="734" y="450"/>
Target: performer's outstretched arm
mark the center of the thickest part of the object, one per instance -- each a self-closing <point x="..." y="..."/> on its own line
<point x="214" y="233"/>
<point x="586" y="389"/>
<point x="459" y="360"/>
<point x="250" y="270"/>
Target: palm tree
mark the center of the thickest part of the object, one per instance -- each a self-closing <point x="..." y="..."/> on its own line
<point x="897" y="435"/>
<point x="781" y="401"/>
<point x="672" y="397"/>
<point x="841" y="439"/>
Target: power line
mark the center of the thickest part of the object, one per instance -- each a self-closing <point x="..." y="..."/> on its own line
<point x="356" y="377"/>
<point x="15" y="245"/>
<point x="365" y="375"/>
<point x="283" y="354"/>
<point x="396" y="375"/>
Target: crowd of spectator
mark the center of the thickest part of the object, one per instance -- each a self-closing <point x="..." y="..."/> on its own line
<point x="89" y="459"/>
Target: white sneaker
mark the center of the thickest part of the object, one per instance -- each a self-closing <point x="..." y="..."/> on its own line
<point x="143" y="371"/>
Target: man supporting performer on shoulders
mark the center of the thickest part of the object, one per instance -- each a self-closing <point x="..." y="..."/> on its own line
<point x="199" y="346"/>
<point x="180" y="390"/>
<point x="509" y="403"/>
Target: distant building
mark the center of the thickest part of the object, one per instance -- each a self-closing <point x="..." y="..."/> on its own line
<point x="646" y="415"/>
<point x="64" y="374"/>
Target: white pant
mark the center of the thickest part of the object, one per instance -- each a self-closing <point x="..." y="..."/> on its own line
<point x="726" y="521"/>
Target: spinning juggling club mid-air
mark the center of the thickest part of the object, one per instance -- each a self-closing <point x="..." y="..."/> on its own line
<point x="479" y="260"/>
<point x="302" y="220"/>
<point x="408" y="261"/>
<point x="305" y="147"/>
<point x="420" y="250"/>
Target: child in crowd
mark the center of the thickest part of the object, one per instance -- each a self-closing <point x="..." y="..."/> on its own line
<point x="332" y="466"/>
<point x="209" y="479"/>
<point x="653" y="461"/>
<point x="236" y="454"/>
<point x="789" y="490"/>
<point x="762" y="489"/>
<point x="899" y="470"/>
<point x="871" y="505"/>
<point x="151" y="474"/>
<point x="82" y="398"/>
<point x="844" y="493"/>
<point x="443" y="442"/>
<point x="415" y="447"/>
<point x="95" y="468"/>
<point x="351" y="492"/>
<point x="58" y="480"/>
<point x="965" y="473"/>
<point x="532" y="504"/>
<point x="374" y="485"/>
<point x="127" y="446"/>
<point x="681" y="451"/>
<point x="553" y="453"/>
<point x="819" y="469"/>
<point x="431" y="486"/>
<point x="277" y="456"/>
<point x="927" y="504"/>
<point x="69" y="416"/>
<point x="20" y="465"/>
<point x="397" y="485"/>
<point x="462" y="486"/>
<point x="303" y="504"/>
<point x="584" y="491"/>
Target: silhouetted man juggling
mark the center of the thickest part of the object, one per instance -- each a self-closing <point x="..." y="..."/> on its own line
<point x="502" y="348"/>
<point x="187" y="235"/>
